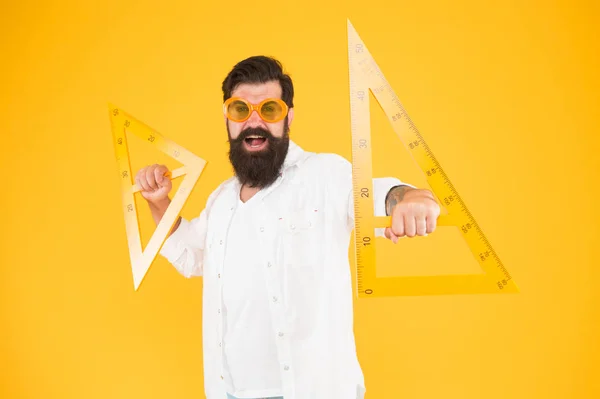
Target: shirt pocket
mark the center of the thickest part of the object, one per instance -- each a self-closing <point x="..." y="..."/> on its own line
<point x="302" y="236"/>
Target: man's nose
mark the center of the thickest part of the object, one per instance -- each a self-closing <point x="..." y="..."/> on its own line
<point x="254" y="120"/>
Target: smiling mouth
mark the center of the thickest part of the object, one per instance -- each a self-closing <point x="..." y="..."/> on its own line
<point x="255" y="142"/>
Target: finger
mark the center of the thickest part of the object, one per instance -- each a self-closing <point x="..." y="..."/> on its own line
<point x="432" y="217"/>
<point x="159" y="174"/>
<point x="139" y="174"/>
<point x="397" y="225"/>
<point x="150" y="177"/>
<point x="431" y="222"/>
<point x="387" y="233"/>
<point x="143" y="183"/>
<point x="390" y="235"/>
<point x="410" y="225"/>
<point x="421" y="225"/>
<point x="140" y="179"/>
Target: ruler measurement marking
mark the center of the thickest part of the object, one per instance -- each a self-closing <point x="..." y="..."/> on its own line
<point x="121" y="123"/>
<point x="365" y="77"/>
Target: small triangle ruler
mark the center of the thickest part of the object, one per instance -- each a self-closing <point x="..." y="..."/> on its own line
<point x="122" y="122"/>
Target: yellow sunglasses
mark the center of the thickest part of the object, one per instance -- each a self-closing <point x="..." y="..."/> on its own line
<point x="271" y="110"/>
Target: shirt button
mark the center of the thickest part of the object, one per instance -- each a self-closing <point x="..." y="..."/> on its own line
<point x="280" y="334"/>
<point x="269" y="264"/>
<point x="293" y="227"/>
<point x="219" y="311"/>
<point x="274" y="299"/>
<point x="219" y="275"/>
<point x="262" y="229"/>
<point x="286" y="367"/>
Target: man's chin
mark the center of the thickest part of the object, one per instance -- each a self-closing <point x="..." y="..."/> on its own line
<point x="258" y="165"/>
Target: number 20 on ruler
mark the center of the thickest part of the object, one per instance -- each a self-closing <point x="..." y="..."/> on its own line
<point x="366" y="76"/>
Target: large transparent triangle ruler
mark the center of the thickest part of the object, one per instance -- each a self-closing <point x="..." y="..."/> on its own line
<point x="365" y="77"/>
<point x="122" y="122"/>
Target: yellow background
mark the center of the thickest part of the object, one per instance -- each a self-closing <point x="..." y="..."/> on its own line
<point x="506" y="94"/>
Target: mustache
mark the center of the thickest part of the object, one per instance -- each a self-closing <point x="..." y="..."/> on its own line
<point x="253" y="131"/>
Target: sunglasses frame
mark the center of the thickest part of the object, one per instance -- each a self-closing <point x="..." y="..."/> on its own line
<point x="255" y="107"/>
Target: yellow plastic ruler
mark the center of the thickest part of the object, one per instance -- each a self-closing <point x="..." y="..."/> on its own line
<point x="365" y="77"/>
<point x="122" y="122"/>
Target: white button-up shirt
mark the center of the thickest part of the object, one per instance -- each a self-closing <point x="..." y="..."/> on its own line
<point x="303" y="224"/>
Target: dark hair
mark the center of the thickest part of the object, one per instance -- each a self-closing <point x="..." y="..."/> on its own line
<point x="259" y="69"/>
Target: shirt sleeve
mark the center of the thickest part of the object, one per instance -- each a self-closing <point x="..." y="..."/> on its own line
<point x="344" y="199"/>
<point x="184" y="249"/>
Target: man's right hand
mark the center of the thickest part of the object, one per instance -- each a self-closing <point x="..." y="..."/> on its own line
<point x="154" y="184"/>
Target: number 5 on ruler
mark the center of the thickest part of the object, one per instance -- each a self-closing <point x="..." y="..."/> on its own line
<point x="366" y="76"/>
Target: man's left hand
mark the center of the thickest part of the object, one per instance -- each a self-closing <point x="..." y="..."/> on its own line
<point x="415" y="214"/>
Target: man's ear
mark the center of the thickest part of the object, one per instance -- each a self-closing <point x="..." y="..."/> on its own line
<point x="290" y="116"/>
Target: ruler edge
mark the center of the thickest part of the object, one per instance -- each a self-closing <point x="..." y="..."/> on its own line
<point x="502" y="271"/>
<point x="193" y="172"/>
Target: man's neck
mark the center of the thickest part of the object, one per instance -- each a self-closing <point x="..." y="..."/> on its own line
<point x="248" y="192"/>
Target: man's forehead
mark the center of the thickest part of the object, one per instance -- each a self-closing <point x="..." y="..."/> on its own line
<point x="256" y="92"/>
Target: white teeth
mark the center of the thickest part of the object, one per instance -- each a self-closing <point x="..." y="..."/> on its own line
<point x="256" y="137"/>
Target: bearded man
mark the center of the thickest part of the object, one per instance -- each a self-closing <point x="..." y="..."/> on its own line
<point x="272" y="246"/>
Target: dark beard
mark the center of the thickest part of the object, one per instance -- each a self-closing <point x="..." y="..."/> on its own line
<point x="259" y="169"/>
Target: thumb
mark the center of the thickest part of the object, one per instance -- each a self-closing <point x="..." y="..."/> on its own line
<point x="166" y="183"/>
<point x="390" y="235"/>
<point x="159" y="175"/>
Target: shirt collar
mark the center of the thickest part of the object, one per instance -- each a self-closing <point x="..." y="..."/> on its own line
<point x="295" y="156"/>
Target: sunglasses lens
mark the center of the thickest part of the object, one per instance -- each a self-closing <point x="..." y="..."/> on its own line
<point x="238" y="110"/>
<point x="271" y="110"/>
